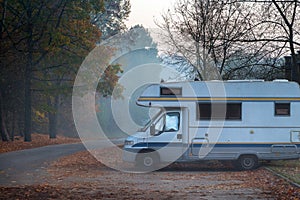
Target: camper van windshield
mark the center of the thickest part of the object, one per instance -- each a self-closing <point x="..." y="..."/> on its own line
<point x="147" y="125"/>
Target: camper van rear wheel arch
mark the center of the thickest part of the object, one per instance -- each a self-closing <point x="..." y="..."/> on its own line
<point x="247" y="162"/>
<point x="147" y="159"/>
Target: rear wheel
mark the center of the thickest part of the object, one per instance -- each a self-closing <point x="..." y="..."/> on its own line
<point x="247" y="162"/>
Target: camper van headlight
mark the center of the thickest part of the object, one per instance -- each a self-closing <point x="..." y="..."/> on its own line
<point x="129" y="142"/>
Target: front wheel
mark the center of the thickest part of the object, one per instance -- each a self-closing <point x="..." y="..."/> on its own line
<point x="247" y="162"/>
<point x="147" y="160"/>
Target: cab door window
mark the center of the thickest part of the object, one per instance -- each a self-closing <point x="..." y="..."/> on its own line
<point x="159" y="126"/>
<point x="172" y="122"/>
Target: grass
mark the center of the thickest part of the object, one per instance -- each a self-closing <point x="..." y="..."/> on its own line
<point x="287" y="168"/>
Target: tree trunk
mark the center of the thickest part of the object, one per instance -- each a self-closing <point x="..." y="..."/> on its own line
<point x="27" y="104"/>
<point x="4" y="3"/>
<point x="294" y="64"/>
<point x="4" y="134"/>
<point x="20" y="125"/>
<point x="12" y="133"/>
<point x="28" y="73"/>
<point x="201" y="71"/>
<point x="53" y="117"/>
<point x="3" y="131"/>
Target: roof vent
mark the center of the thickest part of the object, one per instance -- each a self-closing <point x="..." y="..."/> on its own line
<point x="257" y="80"/>
<point x="281" y="80"/>
<point x="238" y="81"/>
<point x="247" y="80"/>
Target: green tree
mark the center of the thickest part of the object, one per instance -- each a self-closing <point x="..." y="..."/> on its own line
<point x="111" y="20"/>
<point x="44" y="43"/>
<point x="74" y="38"/>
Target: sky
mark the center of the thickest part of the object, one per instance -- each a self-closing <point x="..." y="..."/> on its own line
<point x="145" y="11"/>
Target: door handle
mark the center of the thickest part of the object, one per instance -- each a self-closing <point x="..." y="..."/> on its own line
<point x="179" y="136"/>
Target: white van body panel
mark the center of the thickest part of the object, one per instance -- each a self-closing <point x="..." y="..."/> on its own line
<point x="268" y="125"/>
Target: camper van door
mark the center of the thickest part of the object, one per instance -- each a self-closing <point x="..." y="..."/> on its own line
<point x="167" y="136"/>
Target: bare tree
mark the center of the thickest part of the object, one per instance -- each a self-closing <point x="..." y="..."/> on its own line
<point x="202" y="32"/>
<point x="278" y="24"/>
<point x="240" y="39"/>
<point x="274" y="32"/>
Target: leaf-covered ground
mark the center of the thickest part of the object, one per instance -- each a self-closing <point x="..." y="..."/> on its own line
<point x="178" y="180"/>
<point x="38" y="140"/>
<point x="288" y="168"/>
<point x="81" y="176"/>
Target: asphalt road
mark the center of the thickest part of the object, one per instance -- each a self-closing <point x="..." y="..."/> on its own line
<point x="28" y="167"/>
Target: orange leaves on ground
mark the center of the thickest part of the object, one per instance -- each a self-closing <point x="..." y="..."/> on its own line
<point x="83" y="165"/>
<point x="41" y="192"/>
<point x="81" y="176"/>
<point x="38" y="140"/>
<point x="78" y="164"/>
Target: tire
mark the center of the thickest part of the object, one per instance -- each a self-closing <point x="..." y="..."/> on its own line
<point x="147" y="160"/>
<point x="247" y="162"/>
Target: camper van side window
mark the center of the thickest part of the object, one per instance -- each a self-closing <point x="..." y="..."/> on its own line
<point x="164" y="91"/>
<point x="219" y="111"/>
<point x="282" y="109"/>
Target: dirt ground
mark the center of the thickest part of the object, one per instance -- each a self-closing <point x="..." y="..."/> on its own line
<point x="81" y="176"/>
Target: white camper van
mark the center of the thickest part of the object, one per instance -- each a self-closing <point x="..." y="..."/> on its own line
<point x="241" y="121"/>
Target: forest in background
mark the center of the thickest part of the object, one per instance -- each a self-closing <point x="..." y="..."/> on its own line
<point x="43" y="44"/>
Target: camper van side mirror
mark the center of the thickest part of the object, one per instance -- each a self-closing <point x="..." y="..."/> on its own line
<point x="152" y="129"/>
